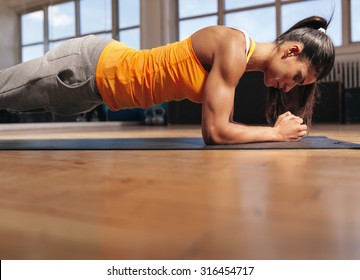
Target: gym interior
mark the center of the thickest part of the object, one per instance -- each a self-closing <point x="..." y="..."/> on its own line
<point x="71" y="200"/>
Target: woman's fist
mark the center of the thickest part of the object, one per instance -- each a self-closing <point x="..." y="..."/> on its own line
<point x="289" y="127"/>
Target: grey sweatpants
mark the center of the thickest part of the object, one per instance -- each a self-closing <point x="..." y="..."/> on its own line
<point x="62" y="81"/>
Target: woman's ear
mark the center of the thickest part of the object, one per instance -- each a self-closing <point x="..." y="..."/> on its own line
<point x="292" y="50"/>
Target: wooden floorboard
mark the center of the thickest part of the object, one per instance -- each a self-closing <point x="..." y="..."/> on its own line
<point x="226" y="204"/>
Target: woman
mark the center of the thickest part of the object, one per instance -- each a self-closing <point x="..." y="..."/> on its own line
<point x="84" y="72"/>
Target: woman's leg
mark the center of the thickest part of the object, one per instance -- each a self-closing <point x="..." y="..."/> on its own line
<point x="19" y="87"/>
<point x="63" y="81"/>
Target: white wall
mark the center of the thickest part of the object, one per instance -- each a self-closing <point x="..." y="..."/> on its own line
<point x="158" y="22"/>
<point x="9" y="49"/>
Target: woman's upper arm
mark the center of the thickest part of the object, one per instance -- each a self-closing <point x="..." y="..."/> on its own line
<point x="218" y="97"/>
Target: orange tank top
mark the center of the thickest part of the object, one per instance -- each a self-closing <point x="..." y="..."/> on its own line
<point x="129" y="78"/>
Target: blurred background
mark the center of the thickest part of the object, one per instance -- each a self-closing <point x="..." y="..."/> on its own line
<point x="29" y="28"/>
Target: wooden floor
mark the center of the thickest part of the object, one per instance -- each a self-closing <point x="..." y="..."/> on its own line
<point x="264" y="204"/>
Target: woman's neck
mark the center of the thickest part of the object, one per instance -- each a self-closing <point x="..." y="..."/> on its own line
<point x="261" y="57"/>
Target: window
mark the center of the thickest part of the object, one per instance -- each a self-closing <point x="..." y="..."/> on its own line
<point x="61" y="21"/>
<point x="52" y="25"/>
<point x="129" y="22"/>
<point x="32" y="27"/>
<point x="95" y="16"/>
<point x="32" y="35"/>
<point x="355" y="21"/>
<point x="187" y="27"/>
<point x="30" y="52"/>
<point x="234" y="4"/>
<point x="196" y="14"/>
<point x="305" y="9"/>
<point x="129" y="18"/>
<point x="257" y="29"/>
<point x="259" y="17"/>
<point x="197" y="7"/>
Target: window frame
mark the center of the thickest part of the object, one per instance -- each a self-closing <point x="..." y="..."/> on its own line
<point x="114" y="31"/>
<point x="346" y="47"/>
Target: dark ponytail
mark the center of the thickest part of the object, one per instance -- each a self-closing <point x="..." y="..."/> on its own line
<point x="319" y="52"/>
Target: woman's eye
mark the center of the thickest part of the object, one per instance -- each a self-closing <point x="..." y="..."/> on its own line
<point x="299" y="79"/>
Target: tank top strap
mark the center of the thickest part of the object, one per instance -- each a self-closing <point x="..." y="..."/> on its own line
<point x="250" y="43"/>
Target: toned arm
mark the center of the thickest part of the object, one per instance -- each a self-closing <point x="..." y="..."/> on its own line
<point x="218" y="99"/>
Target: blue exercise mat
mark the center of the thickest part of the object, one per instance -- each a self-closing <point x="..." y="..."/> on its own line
<point x="310" y="142"/>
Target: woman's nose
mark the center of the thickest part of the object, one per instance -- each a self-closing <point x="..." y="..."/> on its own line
<point x="288" y="87"/>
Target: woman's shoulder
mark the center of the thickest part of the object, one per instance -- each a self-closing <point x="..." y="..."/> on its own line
<point x="213" y="40"/>
<point x="221" y="32"/>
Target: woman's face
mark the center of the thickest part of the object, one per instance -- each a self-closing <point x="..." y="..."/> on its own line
<point x="286" y="70"/>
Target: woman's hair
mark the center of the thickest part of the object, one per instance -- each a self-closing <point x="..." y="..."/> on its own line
<point x="319" y="53"/>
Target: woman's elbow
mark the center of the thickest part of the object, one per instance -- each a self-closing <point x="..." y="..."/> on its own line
<point x="209" y="140"/>
<point x="214" y="136"/>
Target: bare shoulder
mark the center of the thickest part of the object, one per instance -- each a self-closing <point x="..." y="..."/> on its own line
<point x="222" y="48"/>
